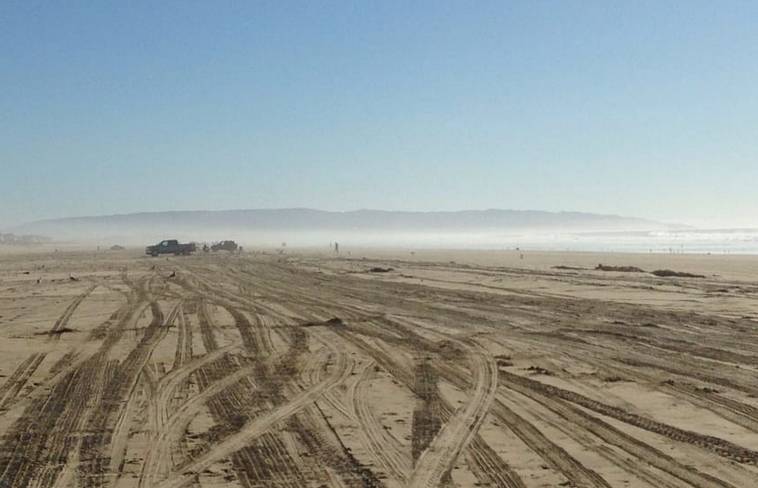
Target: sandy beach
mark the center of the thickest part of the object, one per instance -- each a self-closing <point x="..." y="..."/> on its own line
<point x="386" y="368"/>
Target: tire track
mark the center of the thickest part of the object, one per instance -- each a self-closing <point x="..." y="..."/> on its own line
<point x="426" y="415"/>
<point x="259" y="425"/>
<point x="677" y="346"/>
<point x="438" y="459"/>
<point x="266" y="460"/>
<point x="714" y="444"/>
<point x="554" y="455"/>
<point x="159" y="403"/>
<point x="734" y="411"/>
<point x="336" y="460"/>
<point x="157" y="455"/>
<point x="383" y="448"/>
<point x="579" y="307"/>
<point x="28" y="367"/>
<point x="37" y="446"/>
<point x="206" y="327"/>
<point x="650" y="475"/>
<point x="16" y="382"/>
<point x="111" y="422"/>
<point x="61" y="324"/>
<point x="183" y="342"/>
<point x="615" y="437"/>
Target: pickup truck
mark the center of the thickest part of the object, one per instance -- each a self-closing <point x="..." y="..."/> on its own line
<point x="170" y="246"/>
<point x="230" y="246"/>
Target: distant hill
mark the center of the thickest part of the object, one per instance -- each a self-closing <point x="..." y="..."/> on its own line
<point x="271" y="225"/>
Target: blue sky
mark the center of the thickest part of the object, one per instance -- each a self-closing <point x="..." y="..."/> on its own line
<point x="645" y="109"/>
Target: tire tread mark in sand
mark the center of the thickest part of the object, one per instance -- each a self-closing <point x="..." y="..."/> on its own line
<point x="318" y="436"/>
<point x="63" y="320"/>
<point x="674" y="345"/>
<point x="732" y="410"/>
<point x="577" y="474"/>
<point x="319" y="433"/>
<point x="155" y="457"/>
<point x="42" y="442"/>
<point x="429" y="417"/>
<point x="110" y="423"/>
<point x="682" y="370"/>
<point x="557" y="457"/>
<point x="259" y="426"/>
<point x="206" y="327"/>
<point x="740" y="413"/>
<point x="161" y="394"/>
<point x="440" y="457"/>
<point x="250" y="339"/>
<point x="266" y="458"/>
<point x="717" y="445"/>
<point x="383" y="448"/>
<point x="183" y="342"/>
<point x="337" y="459"/>
<point x="18" y="379"/>
<point x="574" y="308"/>
<point x="489" y="457"/>
<point x="489" y="467"/>
<point x="183" y="354"/>
<point x="611" y="435"/>
<point x="37" y="446"/>
<point x="650" y="475"/>
<point x="426" y="416"/>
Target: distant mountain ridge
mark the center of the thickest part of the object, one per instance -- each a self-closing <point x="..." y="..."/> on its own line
<point x="299" y="220"/>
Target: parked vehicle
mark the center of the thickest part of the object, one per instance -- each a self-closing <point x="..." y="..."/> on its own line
<point x="170" y="246"/>
<point x="230" y="246"/>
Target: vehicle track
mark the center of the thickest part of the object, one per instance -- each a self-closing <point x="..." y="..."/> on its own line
<point x="37" y="447"/>
<point x="267" y="458"/>
<point x="16" y="382"/>
<point x="732" y="410"/>
<point x="13" y="386"/>
<point x="111" y="421"/>
<point x="259" y="425"/>
<point x="281" y="310"/>
<point x="719" y="446"/>
<point x="384" y="448"/>
<point x="158" y="452"/>
<point x="183" y="341"/>
<point x="558" y="458"/>
<point x="439" y="458"/>
<point x="337" y="461"/>
<point x="572" y="307"/>
<point x="61" y="323"/>
<point x="489" y="467"/>
<point x="613" y="436"/>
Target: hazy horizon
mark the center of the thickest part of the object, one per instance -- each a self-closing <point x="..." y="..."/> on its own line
<point x="489" y="229"/>
<point x="640" y="109"/>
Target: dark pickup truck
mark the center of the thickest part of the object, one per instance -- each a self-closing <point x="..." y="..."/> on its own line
<point x="170" y="246"/>
<point x="230" y="246"/>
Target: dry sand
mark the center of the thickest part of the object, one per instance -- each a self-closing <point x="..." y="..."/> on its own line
<point x="453" y="368"/>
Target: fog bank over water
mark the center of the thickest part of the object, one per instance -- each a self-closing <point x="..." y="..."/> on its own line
<point x="712" y="241"/>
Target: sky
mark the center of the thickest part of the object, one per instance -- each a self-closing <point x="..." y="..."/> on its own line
<point x="644" y="108"/>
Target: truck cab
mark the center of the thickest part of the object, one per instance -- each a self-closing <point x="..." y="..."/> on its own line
<point x="170" y="246"/>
